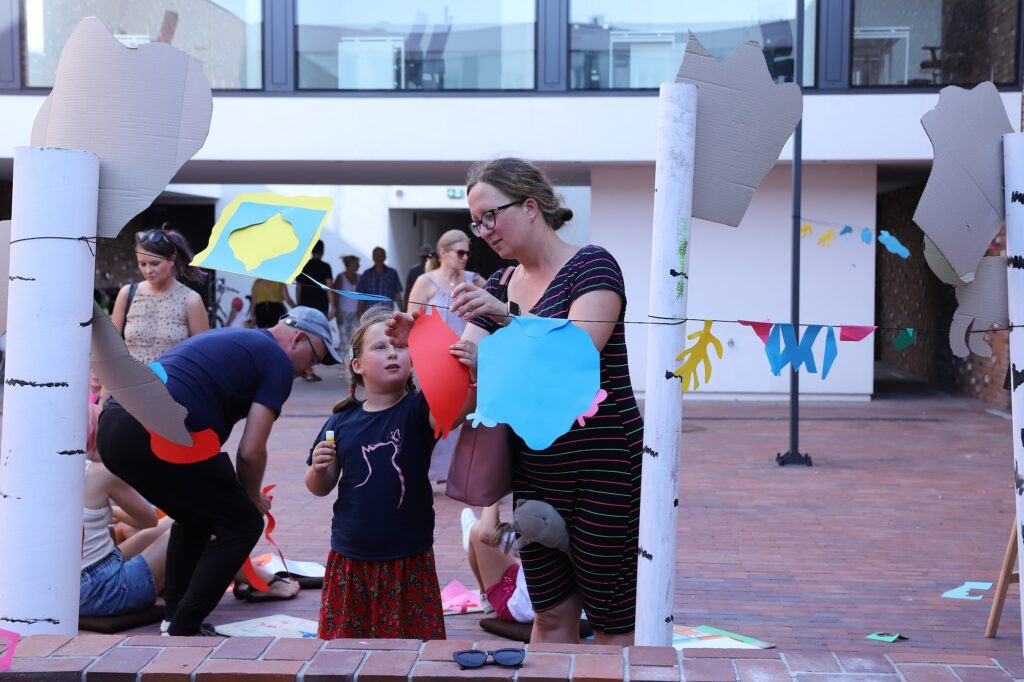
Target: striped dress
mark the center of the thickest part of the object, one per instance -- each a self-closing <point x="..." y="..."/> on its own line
<point x="591" y="475"/>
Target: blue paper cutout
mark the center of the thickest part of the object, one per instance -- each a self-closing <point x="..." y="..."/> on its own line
<point x="159" y="370"/>
<point x="831" y="352"/>
<point x="349" y="294"/>
<point x="892" y="244"/>
<point x="783" y="349"/>
<point x="865" y="235"/>
<point x="537" y="375"/>
<point x="963" y="592"/>
<point x="845" y="231"/>
<point x="304" y="221"/>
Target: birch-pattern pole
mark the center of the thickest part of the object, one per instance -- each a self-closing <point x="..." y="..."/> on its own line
<point x="42" y="451"/>
<point x="1013" y="175"/>
<point x="663" y="418"/>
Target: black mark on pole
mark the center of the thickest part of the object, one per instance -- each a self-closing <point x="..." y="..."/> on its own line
<point x="87" y="323"/>
<point x="675" y="502"/>
<point x="33" y="384"/>
<point x="1017" y="198"/>
<point x="676" y="273"/>
<point x="30" y="621"/>
<point x="19" y="278"/>
<point x="71" y="452"/>
<point x="1016" y="262"/>
<point x="670" y="619"/>
<point x="645" y="554"/>
<point x="669" y="375"/>
<point x="1018" y="376"/>
<point x="648" y="451"/>
<point x="1022" y="436"/>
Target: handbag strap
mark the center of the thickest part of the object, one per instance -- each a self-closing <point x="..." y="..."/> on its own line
<point x="501" y="293"/>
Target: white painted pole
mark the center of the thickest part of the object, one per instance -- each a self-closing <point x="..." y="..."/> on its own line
<point x="663" y="418"/>
<point x="1013" y="176"/>
<point x="46" y="388"/>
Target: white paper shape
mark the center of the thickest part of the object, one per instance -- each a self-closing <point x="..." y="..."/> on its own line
<point x="145" y="111"/>
<point x="938" y="264"/>
<point x="982" y="303"/>
<point x="962" y="208"/>
<point x="134" y="385"/>
<point x="5" y="271"/>
<point x="743" y="120"/>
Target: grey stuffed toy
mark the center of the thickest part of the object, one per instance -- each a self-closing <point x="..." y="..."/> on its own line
<point x="537" y="521"/>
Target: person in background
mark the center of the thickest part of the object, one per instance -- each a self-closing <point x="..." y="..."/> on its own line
<point x="159" y="312"/>
<point x="347" y="316"/>
<point x="310" y="295"/>
<point x="492" y="558"/>
<point x="268" y="302"/>
<point x="380" y="280"/>
<point x="415" y="271"/>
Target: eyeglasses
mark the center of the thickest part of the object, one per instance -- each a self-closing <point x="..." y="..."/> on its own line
<point x="316" y="356"/>
<point x="154" y="236"/>
<point x="476" y="658"/>
<point x="489" y="218"/>
<point x="460" y="253"/>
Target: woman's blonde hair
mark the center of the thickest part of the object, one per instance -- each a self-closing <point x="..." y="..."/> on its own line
<point x="375" y="315"/>
<point x="445" y="242"/>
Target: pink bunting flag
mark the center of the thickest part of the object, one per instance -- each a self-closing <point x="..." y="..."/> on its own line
<point x="855" y="332"/>
<point x="762" y="329"/>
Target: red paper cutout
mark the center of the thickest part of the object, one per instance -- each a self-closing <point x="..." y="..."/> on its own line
<point x="855" y="332"/>
<point x="257" y="582"/>
<point x="205" y="445"/>
<point x="11" y="638"/>
<point x="762" y="329"/>
<point x="444" y="380"/>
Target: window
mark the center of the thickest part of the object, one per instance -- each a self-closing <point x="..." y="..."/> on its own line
<point x="224" y="36"/>
<point x="618" y="45"/>
<point x="416" y="45"/>
<point x="934" y="42"/>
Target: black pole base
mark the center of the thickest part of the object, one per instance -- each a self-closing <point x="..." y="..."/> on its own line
<point x="792" y="458"/>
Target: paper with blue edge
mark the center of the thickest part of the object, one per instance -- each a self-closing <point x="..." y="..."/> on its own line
<point x="537" y="375"/>
<point x="964" y="591"/>
<point x="783" y="348"/>
<point x="831" y="352"/>
<point x="158" y="370"/>
<point x="350" y="294"/>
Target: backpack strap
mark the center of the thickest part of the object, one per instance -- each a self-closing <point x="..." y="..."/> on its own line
<point x="128" y="305"/>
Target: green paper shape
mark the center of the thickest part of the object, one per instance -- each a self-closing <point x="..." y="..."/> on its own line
<point x="741" y="638"/>
<point x="905" y="339"/>
<point x="889" y="637"/>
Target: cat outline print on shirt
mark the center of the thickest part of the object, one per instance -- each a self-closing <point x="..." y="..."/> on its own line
<point x="394" y="442"/>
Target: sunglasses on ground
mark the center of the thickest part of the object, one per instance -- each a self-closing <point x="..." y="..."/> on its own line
<point x="476" y="658"/>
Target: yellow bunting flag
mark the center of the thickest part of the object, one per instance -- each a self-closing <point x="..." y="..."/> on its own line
<point x="695" y="354"/>
<point x="805" y="230"/>
<point x="826" y="239"/>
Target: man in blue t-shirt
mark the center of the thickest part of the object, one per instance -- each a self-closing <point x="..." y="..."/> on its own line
<point x="221" y="377"/>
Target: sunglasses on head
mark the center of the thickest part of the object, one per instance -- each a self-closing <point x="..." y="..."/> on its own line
<point x="154" y="236"/>
<point x="476" y="658"/>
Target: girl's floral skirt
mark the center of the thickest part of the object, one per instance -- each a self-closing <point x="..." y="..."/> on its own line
<point x="393" y="599"/>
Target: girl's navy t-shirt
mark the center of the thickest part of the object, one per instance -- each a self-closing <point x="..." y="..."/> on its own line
<point x="385" y="506"/>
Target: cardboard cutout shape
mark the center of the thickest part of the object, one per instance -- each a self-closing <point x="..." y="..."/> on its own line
<point x="5" y="271"/>
<point x="962" y="208"/>
<point x="981" y="304"/>
<point x="938" y="264"/>
<point x="145" y="111"/>
<point x="743" y="120"/>
<point x="444" y="380"/>
<point x="134" y="385"/>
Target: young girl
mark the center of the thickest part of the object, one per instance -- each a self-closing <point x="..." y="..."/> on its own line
<point x="380" y="580"/>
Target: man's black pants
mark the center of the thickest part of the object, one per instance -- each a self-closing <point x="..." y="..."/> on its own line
<point x="205" y="499"/>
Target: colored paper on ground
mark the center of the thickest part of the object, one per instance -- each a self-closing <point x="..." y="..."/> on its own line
<point x="304" y="569"/>
<point x="696" y="354"/>
<point x="905" y="339"/>
<point x="855" y="332"/>
<point x="739" y="638"/>
<point x="133" y="385"/>
<point x="592" y="410"/>
<point x="537" y="375"/>
<point x="889" y="637"/>
<point x="684" y="637"/>
<point x="8" y="643"/>
<point x="964" y="591"/>
<point x="271" y="626"/>
<point x="349" y="294"/>
<point x="865" y="235"/>
<point x="144" y="111"/>
<point x="762" y="329"/>
<point x="893" y="245"/>
<point x="457" y="598"/>
<point x="743" y="120"/>
<point x="962" y="206"/>
<point x="831" y="352"/>
<point x="265" y="235"/>
<point x="980" y="304"/>
<point x="443" y="379"/>
<point x="205" y="444"/>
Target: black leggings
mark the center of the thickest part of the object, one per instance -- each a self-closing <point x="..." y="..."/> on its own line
<point x="205" y="499"/>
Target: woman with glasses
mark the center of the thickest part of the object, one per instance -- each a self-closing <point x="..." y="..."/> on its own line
<point x="159" y="312"/>
<point x="591" y="475"/>
<point x="445" y="270"/>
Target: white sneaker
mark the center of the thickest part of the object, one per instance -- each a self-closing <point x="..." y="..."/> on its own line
<point x="467" y="520"/>
<point x="164" y="624"/>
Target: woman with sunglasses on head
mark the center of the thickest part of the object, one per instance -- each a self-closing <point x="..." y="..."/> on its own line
<point x="445" y="270"/>
<point x="590" y="475"/>
<point x="160" y="312"/>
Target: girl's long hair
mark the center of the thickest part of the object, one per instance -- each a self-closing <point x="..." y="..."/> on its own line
<point x="173" y="246"/>
<point x="375" y="315"/>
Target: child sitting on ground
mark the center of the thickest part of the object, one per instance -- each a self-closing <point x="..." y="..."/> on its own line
<point x="381" y="581"/>
<point x="492" y="558"/>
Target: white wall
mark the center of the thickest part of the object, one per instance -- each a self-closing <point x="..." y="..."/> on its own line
<point x="743" y="273"/>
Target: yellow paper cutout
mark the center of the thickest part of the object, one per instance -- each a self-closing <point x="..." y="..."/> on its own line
<point x="826" y="239"/>
<point x="694" y="355"/>
<point x="805" y="230"/>
<point x="263" y="241"/>
<point x="279" y="220"/>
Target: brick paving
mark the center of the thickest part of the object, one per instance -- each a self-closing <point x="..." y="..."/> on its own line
<point x="911" y="495"/>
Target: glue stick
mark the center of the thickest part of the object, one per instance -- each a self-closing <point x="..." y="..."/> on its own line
<point x="329" y="436"/>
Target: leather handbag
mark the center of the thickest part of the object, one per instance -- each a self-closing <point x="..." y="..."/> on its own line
<point x="480" y="472"/>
